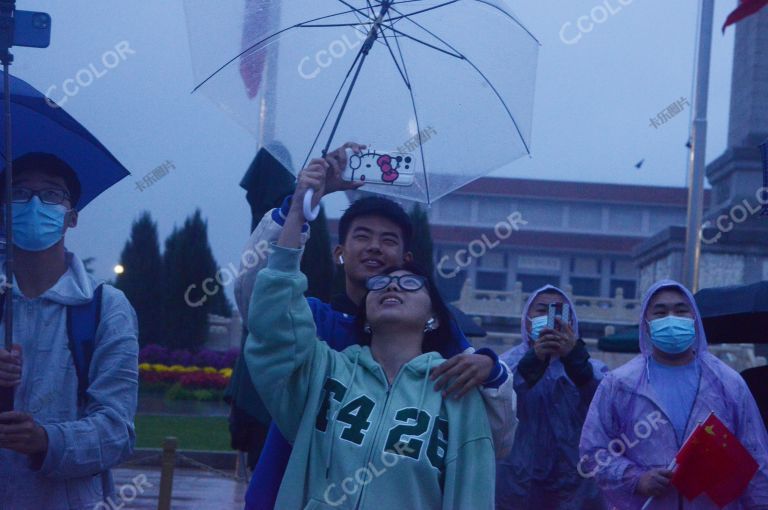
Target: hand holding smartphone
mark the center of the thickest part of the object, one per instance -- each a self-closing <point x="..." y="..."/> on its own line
<point x="561" y="310"/>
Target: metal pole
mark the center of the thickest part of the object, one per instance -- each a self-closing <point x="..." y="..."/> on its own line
<point x="8" y="312"/>
<point x="7" y="28"/>
<point x="168" y="464"/>
<point x="697" y="160"/>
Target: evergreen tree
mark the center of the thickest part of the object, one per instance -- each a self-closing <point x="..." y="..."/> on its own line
<point x="188" y="262"/>
<point x="421" y="242"/>
<point x="317" y="262"/>
<point x="143" y="269"/>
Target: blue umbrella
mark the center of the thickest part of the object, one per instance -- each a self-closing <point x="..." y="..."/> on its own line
<point x="39" y="125"/>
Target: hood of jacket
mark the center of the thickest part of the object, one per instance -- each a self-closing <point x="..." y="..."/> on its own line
<point x="74" y="287"/>
<point x="526" y="340"/>
<point x="699" y="343"/>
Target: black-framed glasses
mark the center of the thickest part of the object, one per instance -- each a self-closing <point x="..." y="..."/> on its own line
<point x="52" y="196"/>
<point x="407" y="282"/>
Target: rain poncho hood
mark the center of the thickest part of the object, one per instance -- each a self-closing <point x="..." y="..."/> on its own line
<point x="83" y="441"/>
<point x="527" y="342"/>
<point x="646" y="346"/>
<point x="540" y="472"/>
<point x="626" y="414"/>
<point x="344" y="417"/>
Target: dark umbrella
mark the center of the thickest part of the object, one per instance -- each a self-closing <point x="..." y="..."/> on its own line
<point x="737" y="314"/>
<point x="267" y="182"/>
<point x="40" y="125"/>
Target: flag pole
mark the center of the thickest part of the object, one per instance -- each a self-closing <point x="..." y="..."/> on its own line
<point x="697" y="156"/>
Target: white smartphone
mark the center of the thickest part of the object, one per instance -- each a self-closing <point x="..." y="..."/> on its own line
<point x="380" y="167"/>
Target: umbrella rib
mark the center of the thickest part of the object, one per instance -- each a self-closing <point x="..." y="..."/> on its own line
<point x="517" y="21"/>
<point x="485" y="78"/>
<point x="355" y="9"/>
<point x="330" y="110"/>
<point x="394" y="59"/>
<point x="316" y="25"/>
<point x="427" y="9"/>
<point x="254" y="45"/>
<point x="415" y="39"/>
<point x="416" y="117"/>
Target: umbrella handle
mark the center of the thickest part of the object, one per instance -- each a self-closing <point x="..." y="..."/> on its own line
<point x="309" y="213"/>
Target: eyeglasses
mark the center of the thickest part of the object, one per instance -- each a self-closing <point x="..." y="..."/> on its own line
<point x="52" y="196"/>
<point x="407" y="282"/>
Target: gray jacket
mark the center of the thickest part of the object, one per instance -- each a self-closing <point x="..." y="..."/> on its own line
<point x="83" y="443"/>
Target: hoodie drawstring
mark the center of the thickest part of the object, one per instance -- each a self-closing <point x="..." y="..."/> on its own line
<point x="344" y="401"/>
<point x="424" y="384"/>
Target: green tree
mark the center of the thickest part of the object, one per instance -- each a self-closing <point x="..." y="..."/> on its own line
<point x="317" y="262"/>
<point x="143" y="269"/>
<point x="421" y="242"/>
<point x="187" y="262"/>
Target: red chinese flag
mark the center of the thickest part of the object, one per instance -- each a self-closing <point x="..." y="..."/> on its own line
<point x="258" y="19"/>
<point x="745" y="9"/>
<point x="715" y="462"/>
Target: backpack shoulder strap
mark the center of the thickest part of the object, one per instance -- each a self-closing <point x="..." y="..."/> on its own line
<point x="82" y="323"/>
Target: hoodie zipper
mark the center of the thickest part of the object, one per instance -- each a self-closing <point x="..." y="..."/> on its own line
<point x="375" y="441"/>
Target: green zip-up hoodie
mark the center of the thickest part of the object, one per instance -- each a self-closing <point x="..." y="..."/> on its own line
<point x="360" y="442"/>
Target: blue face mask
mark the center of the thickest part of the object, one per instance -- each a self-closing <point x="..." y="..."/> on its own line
<point x="672" y="334"/>
<point x="537" y="324"/>
<point x="37" y="226"/>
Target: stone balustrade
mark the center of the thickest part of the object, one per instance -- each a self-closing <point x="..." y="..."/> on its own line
<point x="509" y="304"/>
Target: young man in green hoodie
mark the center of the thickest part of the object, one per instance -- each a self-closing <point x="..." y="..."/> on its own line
<point x="366" y="431"/>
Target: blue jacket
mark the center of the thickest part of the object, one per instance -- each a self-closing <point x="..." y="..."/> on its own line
<point x="85" y="440"/>
<point x="337" y="328"/>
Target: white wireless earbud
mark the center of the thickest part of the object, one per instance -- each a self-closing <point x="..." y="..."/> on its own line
<point x="341" y="259"/>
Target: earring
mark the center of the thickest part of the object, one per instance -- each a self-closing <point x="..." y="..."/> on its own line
<point x="430" y="326"/>
<point x="367" y="329"/>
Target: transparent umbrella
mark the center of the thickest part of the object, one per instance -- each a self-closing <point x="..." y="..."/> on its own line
<point x="448" y="83"/>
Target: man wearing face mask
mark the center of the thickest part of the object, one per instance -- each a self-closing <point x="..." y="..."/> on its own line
<point x="74" y="363"/>
<point x="644" y="410"/>
<point x="554" y="379"/>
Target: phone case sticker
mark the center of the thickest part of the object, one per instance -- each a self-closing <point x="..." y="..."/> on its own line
<point x="378" y="167"/>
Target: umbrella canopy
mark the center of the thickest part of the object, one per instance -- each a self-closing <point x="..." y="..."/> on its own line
<point x="266" y="182"/>
<point x="450" y="82"/>
<point x="39" y="125"/>
<point x="737" y="314"/>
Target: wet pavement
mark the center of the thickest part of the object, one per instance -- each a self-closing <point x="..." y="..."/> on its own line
<point x="193" y="489"/>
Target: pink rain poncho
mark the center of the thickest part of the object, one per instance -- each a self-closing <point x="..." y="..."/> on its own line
<point x="540" y="471"/>
<point x="627" y="432"/>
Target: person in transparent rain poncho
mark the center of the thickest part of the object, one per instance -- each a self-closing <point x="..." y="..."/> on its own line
<point x="554" y="379"/>
<point x="644" y="410"/>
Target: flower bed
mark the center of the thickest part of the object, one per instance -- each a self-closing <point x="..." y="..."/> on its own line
<point x="180" y="378"/>
<point x="156" y="354"/>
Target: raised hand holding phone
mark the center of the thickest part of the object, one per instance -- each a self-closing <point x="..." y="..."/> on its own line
<point x="337" y="161"/>
<point x="558" y="338"/>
